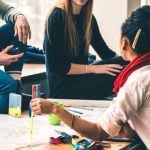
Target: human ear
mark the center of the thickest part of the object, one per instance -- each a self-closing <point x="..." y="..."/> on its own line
<point x="124" y="44"/>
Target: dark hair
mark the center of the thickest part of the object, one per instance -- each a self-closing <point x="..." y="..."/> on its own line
<point x="139" y="19"/>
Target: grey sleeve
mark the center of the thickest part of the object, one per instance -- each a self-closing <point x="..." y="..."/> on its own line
<point x="7" y="12"/>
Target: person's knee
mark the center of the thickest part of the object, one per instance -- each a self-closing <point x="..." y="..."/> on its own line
<point x="12" y="85"/>
<point x="8" y="85"/>
<point x="7" y="30"/>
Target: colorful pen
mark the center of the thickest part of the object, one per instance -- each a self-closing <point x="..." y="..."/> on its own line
<point x="36" y="90"/>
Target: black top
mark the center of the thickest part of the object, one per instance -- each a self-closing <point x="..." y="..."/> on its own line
<point x="58" y="57"/>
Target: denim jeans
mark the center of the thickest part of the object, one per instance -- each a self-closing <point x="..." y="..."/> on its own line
<point x="7" y="83"/>
<point x="32" y="54"/>
<point x="7" y="38"/>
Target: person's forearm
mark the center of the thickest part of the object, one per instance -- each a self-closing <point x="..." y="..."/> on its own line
<point x="77" y="69"/>
<point x="80" y="69"/>
<point x="85" y="128"/>
<point x="7" y="12"/>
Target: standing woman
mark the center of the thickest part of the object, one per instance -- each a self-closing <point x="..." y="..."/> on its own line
<point x="70" y="29"/>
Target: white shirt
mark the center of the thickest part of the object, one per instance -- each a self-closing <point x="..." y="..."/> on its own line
<point x="131" y="105"/>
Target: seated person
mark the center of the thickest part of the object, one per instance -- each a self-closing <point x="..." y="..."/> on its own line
<point x="13" y="38"/>
<point x="71" y="29"/>
<point x="129" y="113"/>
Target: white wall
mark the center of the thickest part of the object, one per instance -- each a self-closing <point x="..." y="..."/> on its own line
<point x="110" y="15"/>
<point x="132" y="5"/>
<point x="144" y="2"/>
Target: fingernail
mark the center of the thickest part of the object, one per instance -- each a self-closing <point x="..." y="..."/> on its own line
<point x="11" y="46"/>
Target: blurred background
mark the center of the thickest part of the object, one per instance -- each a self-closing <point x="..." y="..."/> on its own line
<point x="36" y="12"/>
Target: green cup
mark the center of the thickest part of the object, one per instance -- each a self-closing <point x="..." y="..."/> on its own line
<point x="53" y="119"/>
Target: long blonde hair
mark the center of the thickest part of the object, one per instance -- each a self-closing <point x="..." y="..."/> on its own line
<point x="71" y="33"/>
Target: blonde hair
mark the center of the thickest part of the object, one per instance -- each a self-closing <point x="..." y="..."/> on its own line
<point x="71" y="33"/>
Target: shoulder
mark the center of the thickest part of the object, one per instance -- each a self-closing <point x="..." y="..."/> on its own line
<point x="57" y="13"/>
<point x="56" y="18"/>
<point x="93" y="17"/>
<point x="140" y="76"/>
<point x="94" y="20"/>
<point x="135" y="92"/>
<point x="140" y="80"/>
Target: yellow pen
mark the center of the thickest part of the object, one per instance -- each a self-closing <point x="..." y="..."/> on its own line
<point x="31" y="125"/>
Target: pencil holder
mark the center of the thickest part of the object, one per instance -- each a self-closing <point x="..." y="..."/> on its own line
<point x="36" y="90"/>
<point x="53" y="119"/>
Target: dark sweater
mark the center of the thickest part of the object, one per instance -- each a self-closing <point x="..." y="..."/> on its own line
<point x="58" y="57"/>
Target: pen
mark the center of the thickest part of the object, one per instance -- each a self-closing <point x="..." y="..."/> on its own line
<point x="85" y="108"/>
<point x="31" y="112"/>
<point x="75" y="111"/>
<point x="36" y="89"/>
<point x="119" y="139"/>
<point x="31" y="125"/>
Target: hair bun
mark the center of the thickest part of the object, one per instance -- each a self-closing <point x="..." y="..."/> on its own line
<point x="144" y="13"/>
<point x="142" y="18"/>
<point x="139" y="19"/>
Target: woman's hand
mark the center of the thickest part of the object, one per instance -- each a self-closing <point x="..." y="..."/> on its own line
<point x="41" y="106"/>
<point x="7" y="59"/>
<point x="22" y="28"/>
<point x="111" y="69"/>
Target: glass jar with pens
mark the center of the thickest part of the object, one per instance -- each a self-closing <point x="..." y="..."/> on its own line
<point x="36" y="90"/>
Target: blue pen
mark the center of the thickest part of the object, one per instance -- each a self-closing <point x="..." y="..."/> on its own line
<point x="75" y="111"/>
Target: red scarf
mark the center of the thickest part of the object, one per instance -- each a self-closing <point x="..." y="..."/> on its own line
<point x="137" y="63"/>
